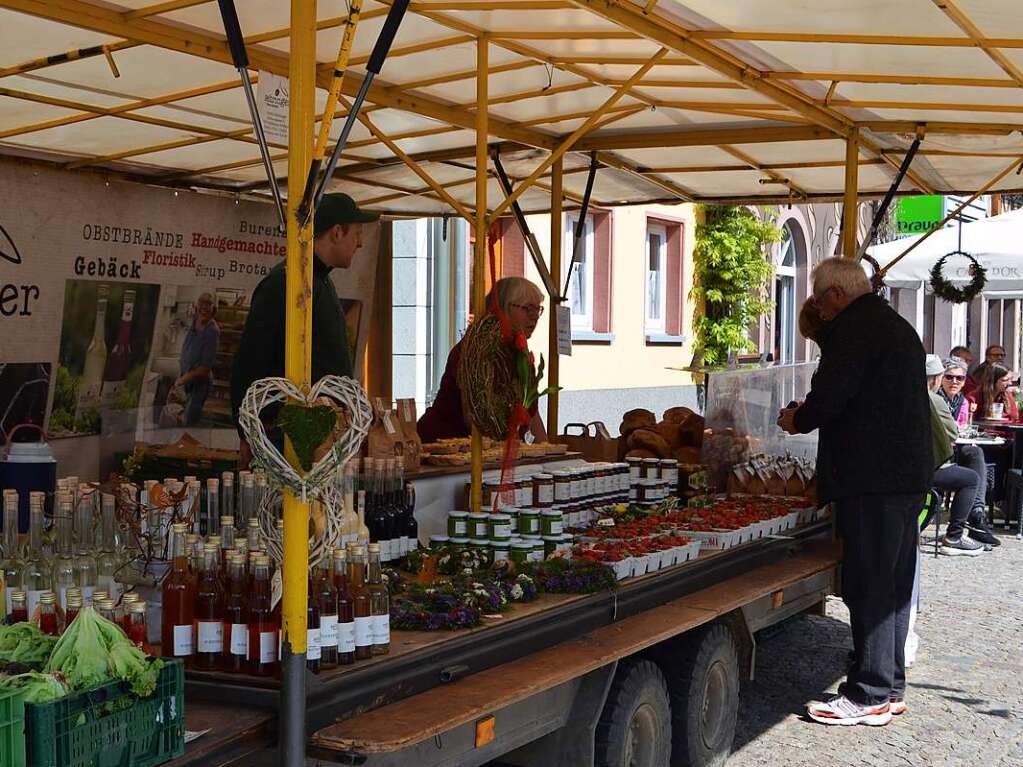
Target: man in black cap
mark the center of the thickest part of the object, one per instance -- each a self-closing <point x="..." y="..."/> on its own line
<point x="337" y="236"/>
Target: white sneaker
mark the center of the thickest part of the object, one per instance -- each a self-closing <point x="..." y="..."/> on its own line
<point x="842" y="711"/>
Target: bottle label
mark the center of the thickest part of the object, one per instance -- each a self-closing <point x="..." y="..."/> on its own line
<point x="404" y="545"/>
<point x="328" y="630"/>
<point x="346" y="637"/>
<point x="210" y="636"/>
<point x="276" y="588"/>
<point x="239" y="639"/>
<point x="413" y="543"/>
<point x="381" y="628"/>
<point x="267" y="646"/>
<point x="10" y="605"/>
<point x="545" y="493"/>
<point x="184" y="643"/>
<point x="313" y="650"/>
<point x="385" y="550"/>
<point x="363" y="632"/>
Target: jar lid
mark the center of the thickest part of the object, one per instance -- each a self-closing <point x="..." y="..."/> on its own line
<point x="500" y="517"/>
<point x="479" y="542"/>
<point x="433" y="539"/>
<point x="651" y="461"/>
<point x="633" y="459"/>
<point x="669" y="462"/>
<point x="551" y="513"/>
<point x="459" y="541"/>
<point x="521" y="545"/>
<point x="532" y="538"/>
<point x="529" y="512"/>
<point x="478" y="515"/>
<point x="511" y="510"/>
<point x="137" y="607"/>
<point x="552" y="538"/>
<point x="458" y="514"/>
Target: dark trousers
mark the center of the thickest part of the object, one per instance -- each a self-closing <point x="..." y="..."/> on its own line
<point x="972" y="457"/>
<point x="963" y="482"/>
<point x="879" y="561"/>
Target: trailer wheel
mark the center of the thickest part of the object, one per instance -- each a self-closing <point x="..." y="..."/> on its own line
<point x="703" y="683"/>
<point x="635" y="725"/>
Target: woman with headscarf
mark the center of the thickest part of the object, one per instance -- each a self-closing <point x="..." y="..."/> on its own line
<point x="522" y="303"/>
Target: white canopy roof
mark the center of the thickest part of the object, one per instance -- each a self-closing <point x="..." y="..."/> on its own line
<point x="750" y="101"/>
<point x="997" y="243"/>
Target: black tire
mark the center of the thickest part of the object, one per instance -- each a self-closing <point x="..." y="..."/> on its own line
<point x="703" y="685"/>
<point x="635" y="725"/>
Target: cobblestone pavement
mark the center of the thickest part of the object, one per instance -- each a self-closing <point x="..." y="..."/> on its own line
<point x="965" y="692"/>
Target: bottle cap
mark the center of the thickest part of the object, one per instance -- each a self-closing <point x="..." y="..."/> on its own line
<point x="358" y="551"/>
<point x="179" y="528"/>
<point x="73" y="600"/>
<point x="210" y="548"/>
<point x="253" y="523"/>
<point x="99" y="595"/>
<point x="227" y="521"/>
<point x="105" y="604"/>
<point x="215" y="540"/>
<point x="340" y="553"/>
<point x="47" y="598"/>
<point x="18" y="596"/>
<point x="212" y="483"/>
<point x="373" y="548"/>
<point x="131" y="596"/>
<point x="137" y="607"/>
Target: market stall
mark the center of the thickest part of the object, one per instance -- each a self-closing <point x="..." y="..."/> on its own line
<point x="605" y="101"/>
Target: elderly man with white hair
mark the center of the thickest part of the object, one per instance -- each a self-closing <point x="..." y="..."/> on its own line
<point x="869" y="403"/>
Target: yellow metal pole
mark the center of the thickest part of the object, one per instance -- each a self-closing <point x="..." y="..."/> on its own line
<point x="479" y="263"/>
<point x="557" y="238"/>
<point x="297" y="367"/>
<point x="849" y="217"/>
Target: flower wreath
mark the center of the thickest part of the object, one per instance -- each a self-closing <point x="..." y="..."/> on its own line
<point x="945" y="290"/>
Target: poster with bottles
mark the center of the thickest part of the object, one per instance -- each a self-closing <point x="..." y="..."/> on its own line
<point x="105" y="340"/>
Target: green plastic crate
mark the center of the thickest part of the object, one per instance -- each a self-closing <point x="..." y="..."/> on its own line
<point x="12" y="728"/>
<point x="82" y="730"/>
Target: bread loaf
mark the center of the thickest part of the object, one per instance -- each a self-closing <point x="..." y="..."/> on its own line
<point x="671" y="432"/>
<point x="677" y="414"/>
<point x="640" y="454"/>
<point x="647" y="439"/>
<point x="687" y="455"/>
<point x="636" y="419"/>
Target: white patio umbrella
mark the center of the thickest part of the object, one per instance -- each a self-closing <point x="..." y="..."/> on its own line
<point x="996" y="242"/>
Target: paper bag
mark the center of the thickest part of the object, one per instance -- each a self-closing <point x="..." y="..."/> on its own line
<point x="592" y="440"/>
<point x="386" y="438"/>
<point x="406" y="409"/>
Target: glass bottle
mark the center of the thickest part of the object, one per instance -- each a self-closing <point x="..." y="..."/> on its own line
<point x="411" y="525"/>
<point x="361" y="602"/>
<point x="86" y="567"/>
<point x="11" y="566"/>
<point x="193" y="503"/>
<point x="226" y="537"/>
<point x="211" y="514"/>
<point x="91" y="383"/>
<point x="313" y="646"/>
<point x="326" y="597"/>
<point x="107" y="609"/>
<point x="193" y="547"/>
<point x="379" y="604"/>
<point x="363" y="531"/>
<point x="64" y="556"/>
<point x="119" y="360"/>
<point x="178" y="597"/>
<point x="38" y="573"/>
<point x="345" y="610"/>
<point x="208" y="617"/>
<point x="19" y="607"/>
<point x="109" y="561"/>
<point x="48" y="614"/>
<point x="252" y="534"/>
<point x="246" y="500"/>
<point x="74" y="606"/>
<point x="236" y="616"/>
<point x="138" y="629"/>
<point x="263" y="624"/>
<point x="126" y="602"/>
<point x="227" y="494"/>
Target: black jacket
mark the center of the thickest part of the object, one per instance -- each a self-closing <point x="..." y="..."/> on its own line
<point x="869" y="401"/>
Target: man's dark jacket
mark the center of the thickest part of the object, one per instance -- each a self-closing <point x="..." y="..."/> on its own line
<point x="260" y="352"/>
<point x="869" y="401"/>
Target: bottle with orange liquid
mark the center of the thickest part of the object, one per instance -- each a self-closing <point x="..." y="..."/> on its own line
<point x="361" y="603"/>
<point x="178" y="597"/>
<point x="236" y="616"/>
<point x="264" y="625"/>
<point x="209" y="613"/>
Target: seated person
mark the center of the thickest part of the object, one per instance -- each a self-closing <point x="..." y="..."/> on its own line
<point x="949" y="477"/>
<point x="993" y="355"/>
<point x="964" y="354"/>
<point x="968" y="456"/>
<point x="522" y="303"/>
<point x="993" y="388"/>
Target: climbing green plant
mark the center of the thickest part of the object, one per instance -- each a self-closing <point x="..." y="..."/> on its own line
<point x="732" y="273"/>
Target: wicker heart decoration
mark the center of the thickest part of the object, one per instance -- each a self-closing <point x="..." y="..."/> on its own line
<point x="269" y="391"/>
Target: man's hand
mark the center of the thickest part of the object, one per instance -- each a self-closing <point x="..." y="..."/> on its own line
<point x="787" y="420"/>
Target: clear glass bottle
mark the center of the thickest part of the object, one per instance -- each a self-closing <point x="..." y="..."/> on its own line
<point x="252" y="534"/>
<point x="38" y="572"/>
<point x="11" y="566"/>
<point x="314" y="636"/>
<point x="361" y="602"/>
<point x="63" y="565"/>
<point x="178" y="598"/>
<point x="227" y="494"/>
<point x="86" y="566"/>
<point x="411" y="525"/>
<point x="345" y="609"/>
<point x="210" y="519"/>
<point x="193" y="502"/>
<point x="264" y="627"/>
<point x="363" y="531"/>
<point x="109" y="561"/>
<point x="138" y="629"/>
<point x="236" y="616"/>
<point x="193" y="547"/>
<point x="208" y="616"/>
<point x="246" y="500"/>
<point x="326" y="597"/>
<point x="107" y="609"/>
<point x="91" y="383"/>
<point x="74" y="606"/>
<point x="227" y="533"/>
<point x="19" y="607"/>
<point x="380" y="606"/>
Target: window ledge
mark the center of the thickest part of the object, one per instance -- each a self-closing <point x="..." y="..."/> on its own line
<point x="590" y="337"/>
<point x="665" y="340"/>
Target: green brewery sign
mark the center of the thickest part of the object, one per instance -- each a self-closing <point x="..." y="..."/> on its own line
<point x="916" y="215"/>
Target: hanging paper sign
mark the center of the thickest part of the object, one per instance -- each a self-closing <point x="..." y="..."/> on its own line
<point x="564" y="314"/>
<point x="272" y="100"/>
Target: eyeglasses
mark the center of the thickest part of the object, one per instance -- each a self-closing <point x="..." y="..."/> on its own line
<point x="955" y="379"/>
<point x="531" y="309"/>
